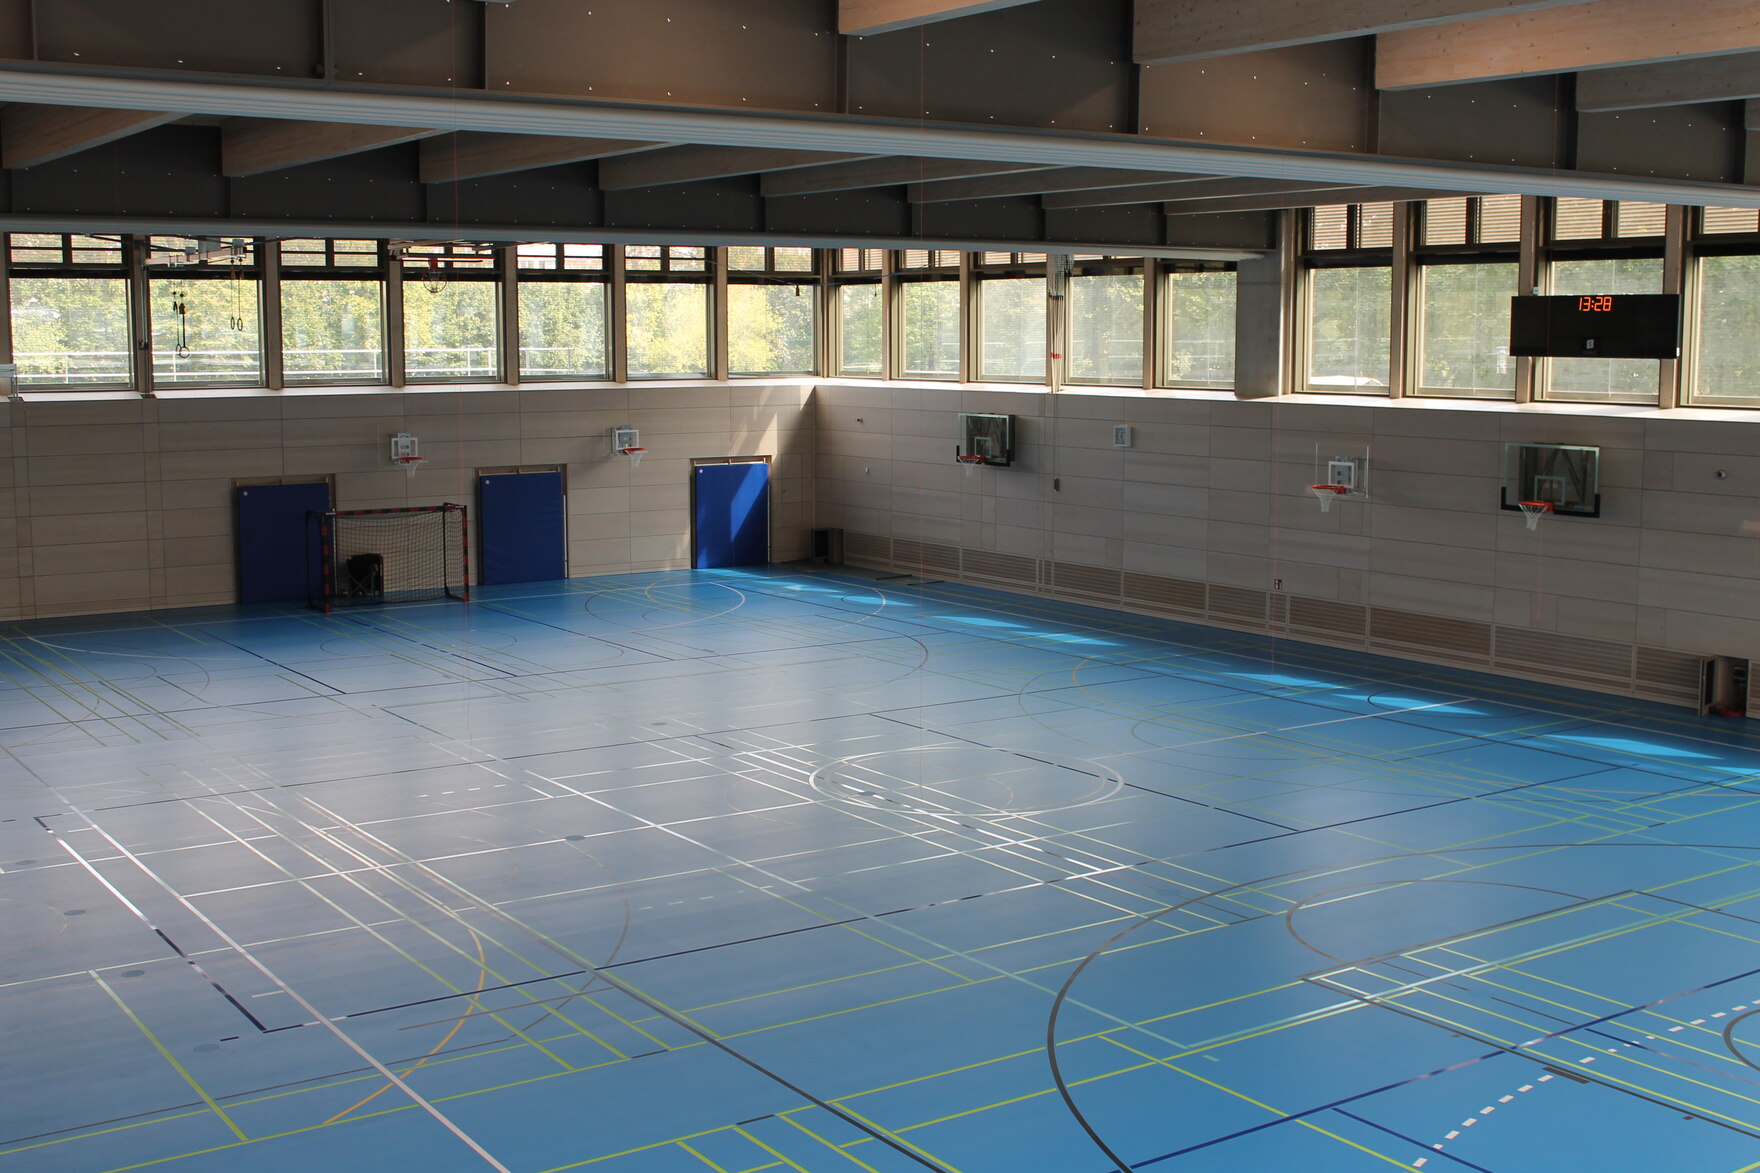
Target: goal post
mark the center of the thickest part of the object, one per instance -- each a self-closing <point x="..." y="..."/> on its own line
<point x="365" y="557"/>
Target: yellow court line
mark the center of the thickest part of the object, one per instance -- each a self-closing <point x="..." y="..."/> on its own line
<point x="699" y="1156"/>
<point x="482" y="980"/>
<point x="771" y="1151"/>
<point x="839" y="1149"/>
<point x="1346" y="1140"/>
<point x="168" y="1056"/>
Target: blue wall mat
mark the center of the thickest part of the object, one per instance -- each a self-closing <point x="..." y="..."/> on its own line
<point x="732" y="515"/>
<point x="520" y="523"/>
<point x="275" y="561"/>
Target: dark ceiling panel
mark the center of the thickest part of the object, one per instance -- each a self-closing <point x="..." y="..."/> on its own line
<point x="407" y="42"/>
<point x="1316" y="96"/>
<point x="548" y="197"/>
<point x="170" y="171"/>
<point x="755" y="54"/>
<point x="879" y="211"/>
<point x="376" y="185"/>
<point x="1525" y="121"/>
<point x="1003" y="219"/>
<point x="15" y="29"/>
<point x="1676" y="142"/>
<point x="731" y="205"/>
<point x="277" y="37"/>
<point x="1225" y="230"/>
<point x="1062" y="63"/>
<point x="1141" y="224"/>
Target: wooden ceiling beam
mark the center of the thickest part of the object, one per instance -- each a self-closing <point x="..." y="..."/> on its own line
<point x="1594" y="35"/>
<point x="863" y="18"/>
<point x="1672" y="83"/>
<point x="887" y="171"/>
<point x="251" y="146"/>
<point x="696" y="163"/>
<point x="450" y="158"/>
<point x="1039" y="183"/>
<point x="1191" y="189"/>
<point x="1272" y="203"/>
<point x="1185" y="30"/>
<point x="30" y="135"/>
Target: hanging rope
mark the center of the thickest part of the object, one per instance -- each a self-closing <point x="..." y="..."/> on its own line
<point x="180" y="307"/>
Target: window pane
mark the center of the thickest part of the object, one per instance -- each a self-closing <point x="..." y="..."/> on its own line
<point x="1713" y="220"/>
<point x="1466" y="331"/>
<point x="1349" y="341"/>
<point x="1013" y="329"/>
<point x="1329" y="227"/>
<point x="218" y="338"/>
<point x="1106" y="329"/>
<point x="859" y="310"/>
<point x="1729" y="332"/>
<point x="70" y="331"/>
<point x="1375" y="225"/>
<point x="1200" y="341"/>
<point x="562" y="329"/>
<point x="770" y="329"/>
<point x="1445" y="221"/>
<point x="1606" y="380"/>
<point x="1500" y="219"/>
<point x="450" y="330"/>
<point x="668" y="326"/>
<point x="1575" y="218"/>
<point x="333" y="331"/>
<point x="1637" y="218"/>
<point x="931" y="329"/>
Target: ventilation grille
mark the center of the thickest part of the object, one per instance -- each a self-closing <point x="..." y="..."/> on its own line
<point x="1000" y="567"/>
<point x="1564" y="656"/>
<point x="907" y="552"/>
<point x="1174" y="594"/>
<point x="1451" y="639"/>
<point x="1074" y="578"/>
<point x="1338" y="619"/>
<point x="1668" y="676"/>
<point x="1239" y="603"/>
<point x="867" y="549"/>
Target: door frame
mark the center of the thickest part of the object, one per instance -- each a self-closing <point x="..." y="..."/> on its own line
<point x="322" y="478"/>
<point x="515" y="470"/>
<point x="769" y="499"/>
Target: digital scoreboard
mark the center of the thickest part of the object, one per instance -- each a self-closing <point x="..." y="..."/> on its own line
<point x="1611" y="325"/>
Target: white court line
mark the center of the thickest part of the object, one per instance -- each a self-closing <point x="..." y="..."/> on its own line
<point x="317" y="1015"/>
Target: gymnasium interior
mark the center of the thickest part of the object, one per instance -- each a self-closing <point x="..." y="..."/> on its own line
<point x="879" y="586"/>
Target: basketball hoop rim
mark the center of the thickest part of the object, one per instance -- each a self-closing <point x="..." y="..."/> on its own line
<point x="1336" y="490"/>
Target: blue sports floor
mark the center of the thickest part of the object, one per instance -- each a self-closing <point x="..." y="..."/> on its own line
<point x="784" y="871"/>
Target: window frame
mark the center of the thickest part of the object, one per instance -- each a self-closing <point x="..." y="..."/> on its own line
<point x="378" y="273"/>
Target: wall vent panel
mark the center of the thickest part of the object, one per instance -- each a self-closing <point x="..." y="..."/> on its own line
<point x="1009" y="568"/>
<point x="1241" y="604"/>
<point x="1343" y="620"/>
<point x="1432" y="635"/>
<point x="867" y="549"/>
<point x="1076" y="579"/>
<point x="1668" y="676"/>
<point x="1173" y="594"/>
<point x="910" y="554"/>
<point x="1550" y="653"/>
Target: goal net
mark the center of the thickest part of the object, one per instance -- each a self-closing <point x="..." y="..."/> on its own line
<point x="370" y="556"/>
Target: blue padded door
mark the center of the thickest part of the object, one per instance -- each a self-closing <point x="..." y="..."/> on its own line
<point x="520" y="521"/>
<point x="731" y="503"/>
<point x="276" y="562"/>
